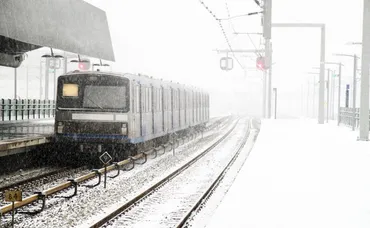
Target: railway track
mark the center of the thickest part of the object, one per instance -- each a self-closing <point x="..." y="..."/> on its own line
<point x="66" y="187"/>
<point x="170" y="201"/>
<point x="33" y="183"/>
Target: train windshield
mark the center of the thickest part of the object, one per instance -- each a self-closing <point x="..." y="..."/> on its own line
<point x="104" y="97"/>
<point x="102" y="93"/>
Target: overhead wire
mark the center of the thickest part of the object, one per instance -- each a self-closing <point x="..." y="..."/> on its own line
<point x="223" y="31"/>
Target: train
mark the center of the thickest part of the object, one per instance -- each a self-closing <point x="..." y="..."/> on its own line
<point x="124" y="113"/>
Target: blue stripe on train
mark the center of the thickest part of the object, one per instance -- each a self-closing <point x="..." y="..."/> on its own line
<point x="99" y="136"/>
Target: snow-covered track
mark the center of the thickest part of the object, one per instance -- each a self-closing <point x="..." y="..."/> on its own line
<point x="74" y="183"/>
<point x="145" y="202"/>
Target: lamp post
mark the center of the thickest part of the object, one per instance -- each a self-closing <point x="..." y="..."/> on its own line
<point x="47" y="68"/>
<point x="354" y="86"/>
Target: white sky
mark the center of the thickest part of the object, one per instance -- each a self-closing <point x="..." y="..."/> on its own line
<point x="175" y="40"/>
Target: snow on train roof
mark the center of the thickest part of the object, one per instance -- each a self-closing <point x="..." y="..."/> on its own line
<point x="139" y="77"/>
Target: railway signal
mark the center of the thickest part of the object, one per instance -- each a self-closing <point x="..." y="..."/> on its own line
<point x="260" y="63"/>
<point x="84" y="64"/>
<point x="105" y="158"/>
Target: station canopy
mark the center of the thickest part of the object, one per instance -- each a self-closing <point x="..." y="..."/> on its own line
<point x="69" y="25"/>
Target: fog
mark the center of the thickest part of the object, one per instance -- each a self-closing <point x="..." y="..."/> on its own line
<point x="176" y="40"/>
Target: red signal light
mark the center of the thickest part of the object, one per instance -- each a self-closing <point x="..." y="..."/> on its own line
<point x="84" y="64"/>
<point x="260" y="63"/>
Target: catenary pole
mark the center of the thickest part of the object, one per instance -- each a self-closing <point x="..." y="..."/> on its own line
<point x="364" y="110"/>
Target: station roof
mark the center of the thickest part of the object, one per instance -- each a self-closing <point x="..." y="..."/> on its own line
<point x="69" y="25"/>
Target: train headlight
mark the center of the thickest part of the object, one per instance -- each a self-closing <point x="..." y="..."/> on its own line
<point x="60" y="128"/>
<point x="124" y="129"/>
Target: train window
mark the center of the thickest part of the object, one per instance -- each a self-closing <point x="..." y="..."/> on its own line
<point x="160" y="100"/>
<point x="137" y="97"/>
<point x="70" y="90"/>
<point x="150" y="99"/>
<point x="155" y="100"/>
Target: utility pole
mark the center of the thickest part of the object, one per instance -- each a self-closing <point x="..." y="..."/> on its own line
<point x="327" y="96"/>
<point x="275" y="91"/>
<point x="267" y="8"/>
<point x="364" y="110"/>
<point x="355" y="92"/>
<point x="339" y="85"/>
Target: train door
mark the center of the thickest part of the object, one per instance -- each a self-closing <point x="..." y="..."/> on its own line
<point x="162" y="108"/>
<point x="172" y="108"/>
<point x="141" y="109"/>
<point x="153" y="105"/>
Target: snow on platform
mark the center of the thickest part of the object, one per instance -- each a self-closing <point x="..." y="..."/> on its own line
<point x="300" y="174"/>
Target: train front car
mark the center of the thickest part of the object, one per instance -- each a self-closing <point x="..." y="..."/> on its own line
<point x="92" y="112"/>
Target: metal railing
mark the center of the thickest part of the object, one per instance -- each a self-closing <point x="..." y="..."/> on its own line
<point x="346" y="117"/>
<point x="26" y="109"/>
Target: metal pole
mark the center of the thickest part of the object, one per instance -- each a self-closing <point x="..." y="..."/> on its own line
<point x="313" y="97"/>
<point x="327" y="96"/>
<point x="332" y="96"/>
<point x="364" y="110"/>
<point x="322" y="77"/>
<point x="354" y="93"/>
<point x="339" y="85"/>
<point x="27" y="82"/>
<point x="55" y="79"/>
<point x="275" y="90"/>
<point x="47" y="65"/>
<point x="15" y="83"/>
<point x="264" y="95"/>
<point x="105" y="175"/>
<point x="40" y="79"/>
<point x="13" y="214"/>
<point x="65" y="63"/>
<point x="269" y="89"/>
<point x="308" y="95"/>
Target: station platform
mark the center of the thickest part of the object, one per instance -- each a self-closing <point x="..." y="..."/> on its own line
<point x="19" y="136"/>
<point x="300" y="174"/>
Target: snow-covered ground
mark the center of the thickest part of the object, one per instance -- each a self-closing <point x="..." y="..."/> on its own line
<point x="91" y="202"/>
<point x="300" y="174"/>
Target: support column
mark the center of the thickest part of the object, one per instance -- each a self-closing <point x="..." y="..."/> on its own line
<point x="47" y="66"/>
<point x="269" y="88"/>
<point x="322" y="78"/>
<point x="264" y="94"/>
<point x="15" y="83"/>
<point x="339" y="89"/>
<point x="364" y="110"/>
<point x="354" y="92"/>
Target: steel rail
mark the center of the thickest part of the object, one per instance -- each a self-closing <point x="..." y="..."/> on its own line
<point x="216" y="182"/>
<point x="170" y="176"/>
<point x="70" y="183"/>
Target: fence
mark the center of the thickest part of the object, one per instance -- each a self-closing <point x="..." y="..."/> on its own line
<point x="346" y="117"/>
<point x="26" y="109"/>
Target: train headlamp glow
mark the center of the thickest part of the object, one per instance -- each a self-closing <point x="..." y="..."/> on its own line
<point x="124" y="129"/>
<point x="60" y="128"/>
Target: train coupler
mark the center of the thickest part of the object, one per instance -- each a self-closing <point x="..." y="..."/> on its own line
<point x="118" y="170"/>
<point x="97" y="173"/>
